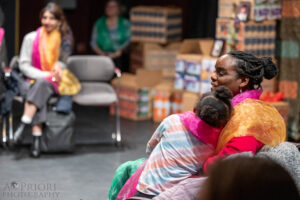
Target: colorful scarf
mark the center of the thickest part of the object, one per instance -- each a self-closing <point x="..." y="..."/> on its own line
<point x="2" y="32"/>
<point x="103" y="38"/>
<point x="45" y="51"/>
<point x="252" y="117"/>
<point x="201" y="130"/>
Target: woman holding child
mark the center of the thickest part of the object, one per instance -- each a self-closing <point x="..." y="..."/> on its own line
<point x="252" y="124"/>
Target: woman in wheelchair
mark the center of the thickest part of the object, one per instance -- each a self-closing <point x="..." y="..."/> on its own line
<point x="44" y="54"/>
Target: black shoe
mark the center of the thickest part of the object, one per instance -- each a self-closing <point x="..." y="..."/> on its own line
<point x="18" y="134"/>
<point x="35" y="148"/>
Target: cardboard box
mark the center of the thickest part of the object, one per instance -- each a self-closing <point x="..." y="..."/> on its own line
<point x="162" y="99"/>
<point x="189" y="101"/>
<point x="291" y="9"/>
<point x="155" y="56"/>
<point x="168" y="101"/>
<point x="253" y="37"/>
<point x="259" y="11"/>
<point x="155" y="24"/>
<point x="194" y="65"/>
<point x="135" y="98"/>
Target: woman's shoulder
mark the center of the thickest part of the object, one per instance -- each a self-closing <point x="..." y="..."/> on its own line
<point x="30" y="36"/>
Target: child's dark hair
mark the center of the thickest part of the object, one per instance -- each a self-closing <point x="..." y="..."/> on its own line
<point x="255" y="68"/>
<point x="215" y="107"/>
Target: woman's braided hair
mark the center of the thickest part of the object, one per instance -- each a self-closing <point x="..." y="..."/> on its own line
<point x="255" y="68"/>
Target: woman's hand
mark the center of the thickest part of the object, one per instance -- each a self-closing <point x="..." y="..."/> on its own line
<point x="56" y="73"/>
<point x="115" y="54"/>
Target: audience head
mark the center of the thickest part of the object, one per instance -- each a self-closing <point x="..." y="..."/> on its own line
<point x="215" y="107"/>
<point x="52" y="17"/>
<point x="241" y="71"/>
<point x="112" y="8"/>
<point x="248" y="178"/>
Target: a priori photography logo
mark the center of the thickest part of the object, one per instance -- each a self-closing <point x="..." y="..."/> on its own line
<point x="29" y="191"/>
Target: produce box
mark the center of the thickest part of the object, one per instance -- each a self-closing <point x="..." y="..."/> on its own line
<point x="155" y="56"/>
<point x="259" y="10"/>
<point x="155" y="24"/>
<point x="194" y="65"/>
<point x="253" y="37"/>
<point x="291" y="8"/>
<point x="135" y="98"/>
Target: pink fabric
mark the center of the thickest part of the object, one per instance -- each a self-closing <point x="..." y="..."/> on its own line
<point x="235" y="145"/>
<point x="2" y="32"/>
<point x="201" y="130"/>
<point x="249" y="94"/>
<point x="129" y="188"/>
<point x="36" y="58"/>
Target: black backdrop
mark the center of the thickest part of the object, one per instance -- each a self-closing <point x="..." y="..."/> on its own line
<point x="199" y="18"/>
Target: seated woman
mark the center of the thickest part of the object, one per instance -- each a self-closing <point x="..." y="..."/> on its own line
<point x="254" y="123"/>
<point x="44" y="53"/>
<point x="111" y="35"/>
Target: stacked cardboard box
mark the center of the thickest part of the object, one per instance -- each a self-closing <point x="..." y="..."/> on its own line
<point x="194" y="65"/>
<point x="259" y="10"/>
<point x="252" y="37"/>
<point x="162" y="99"/>
<point x="289" y="58"/>
<point x="135" y="98"/>
<point x="155" y="56"/>
<point x="291" y="8"/>
<point x="168" y="101"/>
<point x="155" y="24"/>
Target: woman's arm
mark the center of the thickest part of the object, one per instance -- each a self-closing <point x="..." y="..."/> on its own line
<point x="93" y="42"/>
<point x="235" y="145"/>
<point x="25" y="59"/>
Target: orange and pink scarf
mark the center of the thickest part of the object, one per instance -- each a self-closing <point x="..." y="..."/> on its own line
<point x="45" y="51"/>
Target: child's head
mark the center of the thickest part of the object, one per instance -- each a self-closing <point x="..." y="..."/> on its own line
<point x="215" y="107"/>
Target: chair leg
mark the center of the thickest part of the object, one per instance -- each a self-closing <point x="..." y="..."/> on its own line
<point x="118" y="137"/>
<point x="10" y="121"/>
<point x="4" y="133"/>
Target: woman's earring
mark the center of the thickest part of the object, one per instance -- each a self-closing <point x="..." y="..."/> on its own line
<point x="241" y="90"/>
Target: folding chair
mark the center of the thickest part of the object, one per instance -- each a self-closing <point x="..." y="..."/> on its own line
<point x="94" y="73"/>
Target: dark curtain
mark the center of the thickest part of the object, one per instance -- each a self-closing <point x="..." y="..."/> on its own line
<point x="8" y="7"/>
<point x="203" y="15"/>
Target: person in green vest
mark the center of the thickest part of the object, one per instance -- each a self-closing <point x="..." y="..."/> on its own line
<point x="111" y="35"/>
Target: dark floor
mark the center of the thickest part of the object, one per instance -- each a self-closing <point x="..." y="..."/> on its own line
<point x="85" y="174"/>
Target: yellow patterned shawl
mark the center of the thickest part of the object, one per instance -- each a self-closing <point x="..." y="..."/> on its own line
<point x="256" y="118"/>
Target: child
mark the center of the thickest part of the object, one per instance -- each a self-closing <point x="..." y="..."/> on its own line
<point x="182" y="142"/>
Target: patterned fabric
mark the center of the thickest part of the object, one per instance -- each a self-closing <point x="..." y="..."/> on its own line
<point x="254" y="118"/>
<point x="247" y="118"/>
<point x="176" y="154"/>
